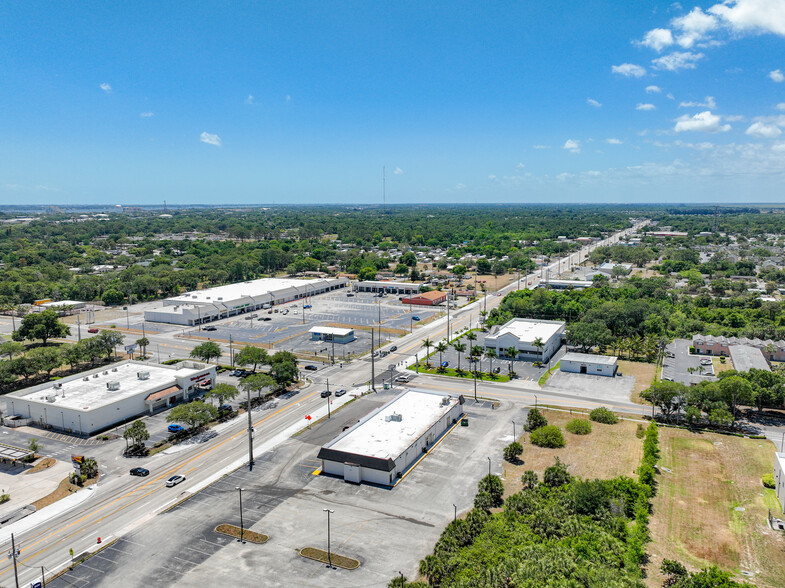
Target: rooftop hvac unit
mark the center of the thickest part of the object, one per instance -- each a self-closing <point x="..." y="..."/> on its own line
<point x="51" y="397"/>
<point x="106" y="372"/>
<point x="143" y="375"/>
<point x="445" y="400"/>
<point x="114" y="369"/>
<point x="86" y="379"/>
<point x="220" y="298"/>
<point x="113" y="385"/>
<point x="396" y="417"/>
<point x="95" y="375"/>
<point x="58" y="385"/>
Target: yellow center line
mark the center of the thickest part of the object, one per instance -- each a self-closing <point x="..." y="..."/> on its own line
<point x="130" y="493"/>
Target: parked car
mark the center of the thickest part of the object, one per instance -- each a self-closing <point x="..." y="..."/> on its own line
<point x="140" y="472"/>
<point x="238" y="373"/>
<point x="445" y="363"/>
<point x="403" y="378"/>
<point x="307" y="306"/>
<point x="415" y="318"/>
<point x="92" y="330"/>
<point x="393" y="348"/>
<point x="225" y="408"/>
<point x="175" y="428"/>
<point x="349" y="294"/>
<point x="174" y="480"/>
<point x="326" y="393"/>
<point x="340" y="392"/>
<point x="210" y="328"/>
<point x="705" y="361"/>
<point x="311" y="368"/>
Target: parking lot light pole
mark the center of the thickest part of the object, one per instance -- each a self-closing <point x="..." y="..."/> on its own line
<point x="489" y="466"/>
<point x="475" y="383"/>
<point x="514" y="436"/>
<point x="328" y="398"/>
<point x="535" y="401"/>
<point x="242" y="524"/>
<point x="455" y="513"/>
<point x="329" y="555"/>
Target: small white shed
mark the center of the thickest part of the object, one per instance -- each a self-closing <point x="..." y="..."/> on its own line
<point x="586" y="363"/>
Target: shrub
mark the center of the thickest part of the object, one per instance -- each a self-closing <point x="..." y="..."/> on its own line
<point x="603" y="415"/>
<point x="513" y="451"/>
<point x="578" y="427"/>
<point x="768" y="480"/>
<point x="535" y="420"/>
<point x="529" y="479"/>
<point x="548" y="436"/>
<point x="639" y="432"/>
<point x="556" y="475"/>
<point x="493" y="486"/>
<point x="4" y="498"/>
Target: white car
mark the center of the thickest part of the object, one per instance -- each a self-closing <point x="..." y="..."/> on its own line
<point x="174" y="480"/>
<point x="705" y="361"/>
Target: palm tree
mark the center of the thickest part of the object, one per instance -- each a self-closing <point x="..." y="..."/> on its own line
<point x="471" y="336"/>
<point x="476" y="354"/>
<point x="427" y="343"/>
<point x="490" y="354"/>
<point x="512" y="353"/>
<point x="441" y="347"/>
<point x="539" y="345"/>
<point x="460" y="348"/>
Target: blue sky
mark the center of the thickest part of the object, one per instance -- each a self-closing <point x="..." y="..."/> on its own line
<point x="306" y="102"/>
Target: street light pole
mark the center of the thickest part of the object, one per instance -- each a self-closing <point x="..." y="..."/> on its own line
<point x="242" y="523"/>
<point x="455" y="515"/>
<point x="328" y="398"/>
<point x="514" y="436"/>
<point x="489" y="466"/>
<point x="250" y="431"/>
<point x="475" y="383"/>
<point x="535" y="401"/>
<point x="329" y="555"/>
<point x="373" y="365"/>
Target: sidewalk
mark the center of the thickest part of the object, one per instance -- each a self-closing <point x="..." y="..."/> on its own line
<point x="25" y="487"/>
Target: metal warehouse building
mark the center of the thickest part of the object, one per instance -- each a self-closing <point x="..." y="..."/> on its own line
<point x="201" y="306"/>
<point x="98" y="399"/>
<point x="387" y="442"/>
<point x="586" y="363"/>
<point x="522" y="333"/>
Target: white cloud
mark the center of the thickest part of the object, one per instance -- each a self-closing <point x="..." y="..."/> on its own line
<point x="492" y="177"/>
<point x="708" y="103"/>
<point x="780" y="106"/>
<point x="398" y="171"/>
<point x="105" y="87"/>
<point x="704" y="122"/>
<point x="612" y="141"/>
<point x="657" y="39"/>
<point x="459" y="187"/>
<point x="642" y="106"/>
<point x="694" y="27"/>
<point x="593" y="102"/>
<point x="541" y="146"/>
<point x="733" y="117"/>
<point x="763" y="130"/>
<point x="250" y="99"/>
<point x="677" y="60"/>
<point x="653" y="89"/>
<point x="776" y="75"/>
<point x="520" y="166"/>
<point x="210" y="139"/>
<point x="752" y="16"/>
<point x="146" y="114"/>
<point x="629" y="70"/>
<point x="670" y="96"/>
<point x="572" y="146"/>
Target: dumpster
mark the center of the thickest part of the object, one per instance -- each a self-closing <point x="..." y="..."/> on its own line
<point x="465" y="422"/>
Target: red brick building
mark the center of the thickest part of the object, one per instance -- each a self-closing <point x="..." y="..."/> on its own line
<point x="431" y="298"/>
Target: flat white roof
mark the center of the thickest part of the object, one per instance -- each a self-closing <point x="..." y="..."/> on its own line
<point x="590" y="358"/>
<point x="338" y="331"/>
<point x="527" y="330"/>
<point x="62" y="303"/>
<point x="78" y="394"/>
<point x="255" y="288"/>
<point x="383" y="439"/>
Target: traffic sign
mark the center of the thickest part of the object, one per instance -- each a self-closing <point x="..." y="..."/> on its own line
<point x="307" y="417"/>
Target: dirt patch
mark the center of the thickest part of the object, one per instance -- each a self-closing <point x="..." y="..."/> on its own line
<point x="65" y="488"/>
<point x="608" y="451"/>
<point x="644" y="377"/>
<point x="45" y="463"/>
<point x="704" y="478"/>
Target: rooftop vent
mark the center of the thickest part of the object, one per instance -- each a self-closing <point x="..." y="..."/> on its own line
<point x="58" y="385"/>
<point x="95" y="375"/>
<point x="114" y="369"/>
<point x="113" y="385"/>
<point x="86" y="379"/>
<point x="143" y="375"/>
<point x="396" y="417"/>
<point x="106" y="372"/>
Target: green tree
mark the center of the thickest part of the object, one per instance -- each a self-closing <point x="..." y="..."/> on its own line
<point x="11" y="348"/>
<point x="46" y="359"/>
<point x="427" y="343"/>
<point x="223" y="392"/>
<point x="460" y="348"/>
<point x="736" y="390"/>
<point x="459" y="270"/>
<point x="668" y="396"/>
<point x="409" y="259"/>
<point x="283" y="368"/>
<point x="556" y="475"/>
<point x="193" y="414"/>
<point x="250" y="355"/>
<point x="257" y="382"/>
<point x="23" y="366"/>
<point x="137" y="433"/>
<point x="73" y="355"/>
<point x="367" y="273"/>
<point x="547" y="436"/>
<point x="42" y="325"/>
<point x="206" y="351"/>
<point x="535" y="420"/>
<point x="494" y="487"/>
<point x="34" y="445"/>
<point x="441" y="347"/>
<point x="589" y="334"/>
<point x="143" y="342"/>
<point x="89" y="468"/>
<point x="512" y="353"/>
<point x="529" y="479"/>
<point x="513" y="451"/>
<point x="107" y="341"/>
<point x="112" y="297"/>
<point x="490" y="354"/>
<point x="539" y="345"/>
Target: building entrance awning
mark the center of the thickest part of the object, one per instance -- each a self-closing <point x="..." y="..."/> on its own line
<point x="162" y="394"/>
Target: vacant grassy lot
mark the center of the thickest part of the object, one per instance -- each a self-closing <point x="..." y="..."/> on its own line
<point x="608" y="451"/>
<point x="644" y="377"/>
<point x="695" y="518"/>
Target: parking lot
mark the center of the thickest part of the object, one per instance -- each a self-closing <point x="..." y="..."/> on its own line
<point x="679" y="366"/>
<point x="285" y="500"/>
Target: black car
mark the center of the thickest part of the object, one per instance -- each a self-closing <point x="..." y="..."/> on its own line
<point x="210" y="328"/>
<point x="326" y="393"/>
<point x="311" y="368"/>
<point x="140" y="472"/>
<point x="393" y="348"/>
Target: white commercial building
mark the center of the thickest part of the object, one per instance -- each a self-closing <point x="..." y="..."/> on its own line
<point x="383" y="445"/>
<point x="332" y="334"/>
<point x="202" y="306"/>
<point x="98" y="399"/>
<point x="586" y="363"/>
<point x="779" y="476"/>
<point x="522" y="333"/>
<point x="387" y="287"/>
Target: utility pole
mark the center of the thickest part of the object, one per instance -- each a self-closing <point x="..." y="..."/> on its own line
<point x="328" y="398"/>
<point x="78" y="328"/>
<point x="448" y="317"/>
<point x="373" y="365"/>
<point x="250" y="431"/>
<point x="13" y="555"/>
<point x="231" y="350"/>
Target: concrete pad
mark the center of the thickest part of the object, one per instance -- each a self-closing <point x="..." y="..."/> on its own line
<point x="26" y="487"/>
<point x="616" y="389"/>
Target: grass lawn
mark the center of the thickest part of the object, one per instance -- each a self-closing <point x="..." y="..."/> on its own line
<point x="608" y="451"/>
<point x="694" y="513"/>
<point x="465" y="374"/>
<point x="644" y="377"/>
<point x="721" y="367"/>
